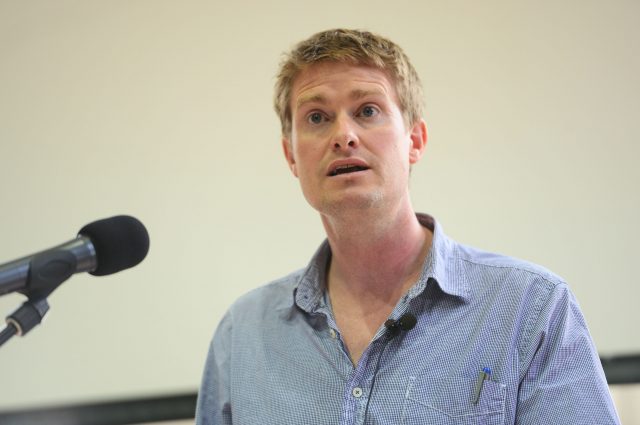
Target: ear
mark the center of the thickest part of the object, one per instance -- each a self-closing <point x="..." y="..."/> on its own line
<point x="287" y="148"/>
<point x="418" y="138"/>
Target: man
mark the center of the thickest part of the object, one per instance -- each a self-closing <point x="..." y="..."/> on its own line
<point x="391" y="322"/>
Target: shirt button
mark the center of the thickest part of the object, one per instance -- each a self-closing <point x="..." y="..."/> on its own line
<point x="332" y="333"/>
<point x="357" y="392"/>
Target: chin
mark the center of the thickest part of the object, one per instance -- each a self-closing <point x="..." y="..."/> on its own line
<point x="350" y="202"/>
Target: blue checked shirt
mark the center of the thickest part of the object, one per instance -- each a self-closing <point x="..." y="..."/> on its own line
<point x="277" y="356"/>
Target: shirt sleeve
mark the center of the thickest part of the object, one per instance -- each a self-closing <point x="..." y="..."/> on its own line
<point x="214" y="402"/>
<point x="563" y="380"/>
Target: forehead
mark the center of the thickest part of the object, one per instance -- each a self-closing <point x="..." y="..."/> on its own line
<point x="334" y="78"/>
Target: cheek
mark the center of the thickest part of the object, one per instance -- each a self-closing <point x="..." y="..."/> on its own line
<point x="393" y="144"/>
<point x="308" y="156"/>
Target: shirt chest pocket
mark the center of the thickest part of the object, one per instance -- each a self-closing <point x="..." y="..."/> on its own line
<point x="451" y="403"/>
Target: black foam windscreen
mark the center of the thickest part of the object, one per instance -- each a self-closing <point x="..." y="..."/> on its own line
<point x="120" y="242"/>
<point x="407" y="322"/>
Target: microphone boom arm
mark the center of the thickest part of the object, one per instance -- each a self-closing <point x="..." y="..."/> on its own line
<point x="47" y="270"/>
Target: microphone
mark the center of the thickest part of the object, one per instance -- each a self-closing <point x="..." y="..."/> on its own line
<point x="102" y="247"/>
<point x="406" y="322"/>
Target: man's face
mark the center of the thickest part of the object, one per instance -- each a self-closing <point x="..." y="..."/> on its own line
<point x="349" y="145"/>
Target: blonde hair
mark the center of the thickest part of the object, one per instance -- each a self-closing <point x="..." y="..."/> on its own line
<point x="354" y="47"/>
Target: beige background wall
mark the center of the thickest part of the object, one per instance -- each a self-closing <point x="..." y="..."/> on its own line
<point x="162" y="110"/>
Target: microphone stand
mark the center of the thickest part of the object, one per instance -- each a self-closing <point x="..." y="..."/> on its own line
<point x="25" y="318"/>
<point x="47" y="271"/>
<point x="7" y="333"/>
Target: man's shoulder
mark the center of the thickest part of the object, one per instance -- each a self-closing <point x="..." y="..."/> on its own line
<point x="276" y="294"/>
<point x="468" y="264"/>
<point x="507" y="272"/>
<point x="492" y="260"/>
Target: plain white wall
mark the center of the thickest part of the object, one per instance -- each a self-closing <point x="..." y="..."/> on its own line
<point x="162" y="110"/>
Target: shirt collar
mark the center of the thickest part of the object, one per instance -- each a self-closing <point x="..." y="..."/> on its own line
<point x="440" y="266"/>
<point x="309" y="292"/>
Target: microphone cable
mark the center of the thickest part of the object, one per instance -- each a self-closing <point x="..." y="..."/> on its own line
<point x="406" y="322"/>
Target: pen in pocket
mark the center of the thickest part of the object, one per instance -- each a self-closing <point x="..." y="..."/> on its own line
<point x="485" y="374"/>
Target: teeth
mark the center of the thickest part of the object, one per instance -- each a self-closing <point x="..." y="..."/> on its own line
<point x="346" y="168"/>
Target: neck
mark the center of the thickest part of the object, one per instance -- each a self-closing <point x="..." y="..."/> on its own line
<point x="375" y="260"/>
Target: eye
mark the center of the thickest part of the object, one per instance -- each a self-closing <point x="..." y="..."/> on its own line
<point x="315" y="118"/>
<point x="369" y="111"/>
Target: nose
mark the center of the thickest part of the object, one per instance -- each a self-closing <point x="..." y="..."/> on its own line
<point x="344" y="135"/>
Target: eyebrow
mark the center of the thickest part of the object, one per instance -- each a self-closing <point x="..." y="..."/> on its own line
<point x="316" y="98"/>
<point x="360" y="93"/>
<point x="356" y="94"/>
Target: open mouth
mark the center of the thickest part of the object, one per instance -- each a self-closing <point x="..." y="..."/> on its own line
<point x="346" y="169"/>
